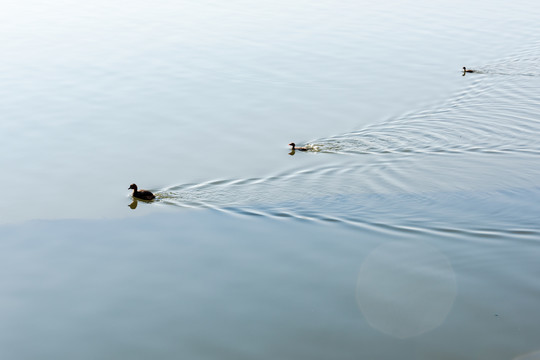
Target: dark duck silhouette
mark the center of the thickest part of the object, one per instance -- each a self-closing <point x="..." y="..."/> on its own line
<point x="141" y="194"/>
<point x="465" y="70"/>
<point x="298" y="148"/>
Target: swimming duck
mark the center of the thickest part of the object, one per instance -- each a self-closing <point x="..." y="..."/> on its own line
<point x="469" y="71"/>
<point x="298" y="148"/>
<point x="141" y="194"/>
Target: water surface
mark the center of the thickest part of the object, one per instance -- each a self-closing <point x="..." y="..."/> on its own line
<point x="409" y="230"/>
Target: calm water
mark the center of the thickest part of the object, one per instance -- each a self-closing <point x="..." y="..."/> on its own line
<point x="410" y="230"/>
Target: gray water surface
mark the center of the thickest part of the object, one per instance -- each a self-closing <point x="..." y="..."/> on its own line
<point x="409" y="230"/>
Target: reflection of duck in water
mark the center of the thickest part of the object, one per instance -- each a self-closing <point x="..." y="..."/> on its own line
<point x="134" y="204"/>
<point x="141" y="194"/>
<point x="298" y="148"/>
<point x="465" y="70"/>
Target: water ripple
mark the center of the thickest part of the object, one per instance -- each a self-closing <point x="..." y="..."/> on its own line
<point x="492" y="114"/>
<point x="438" y="170"/>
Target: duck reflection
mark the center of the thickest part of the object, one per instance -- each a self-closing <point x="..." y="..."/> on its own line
<point x="136" y="201"/>
<point x="134" y="204"/>
<point x="413" y="278"/>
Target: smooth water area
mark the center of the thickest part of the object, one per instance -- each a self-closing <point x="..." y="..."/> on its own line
<point x="409" y="230"/>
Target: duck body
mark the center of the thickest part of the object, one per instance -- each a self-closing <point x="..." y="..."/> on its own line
<point x="298" y="148"/>
<point x="465" y="70"/>
<point x="141" y="194"/>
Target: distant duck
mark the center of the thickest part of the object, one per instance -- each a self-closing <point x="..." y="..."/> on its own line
<point x="298" y="148"/>
<point x="465" y="70"/>
<point x="141" y="194"/>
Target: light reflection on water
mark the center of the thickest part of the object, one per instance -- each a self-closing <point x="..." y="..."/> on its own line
<point x="531" y="356"/>
<point x="406" y="288"/>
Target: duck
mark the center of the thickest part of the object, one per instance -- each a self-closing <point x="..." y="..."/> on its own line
<point x="141" y="194"/>
<point x="468" y="70"/>
<point x="298" y="148"/>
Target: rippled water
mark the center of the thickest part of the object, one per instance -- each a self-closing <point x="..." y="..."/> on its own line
<point x="479" y="145"/>
<point x="409" y="228"/>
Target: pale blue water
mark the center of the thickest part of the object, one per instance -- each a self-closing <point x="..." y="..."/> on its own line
<point x="409" y="231"/>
